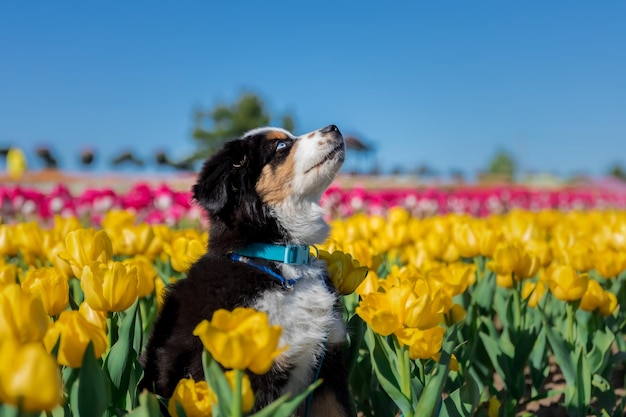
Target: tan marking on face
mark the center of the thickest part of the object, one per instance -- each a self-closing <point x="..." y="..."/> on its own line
<point x="310" y="135"/>
<point x="275" y="135"/>
<point x="275" y="183"/>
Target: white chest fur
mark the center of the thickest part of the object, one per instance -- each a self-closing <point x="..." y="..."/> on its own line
<point x="308" y="318"/>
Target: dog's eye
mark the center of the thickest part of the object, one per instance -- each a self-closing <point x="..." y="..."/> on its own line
<point x="281" y="145"/>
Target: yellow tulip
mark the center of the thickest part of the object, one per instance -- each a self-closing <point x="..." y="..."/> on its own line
<point x="580" y="256"/>
<point x="95" y="317"/>
<point x="506" y="258"/>
<point x="110" y="287"/>
<point x="22" y="315"/>
<point x="424" y="306"/>
<point x="8" y="245"/>
<point x="16" y="163"/>
<point x="455" y="277"/>
<point x="504" y="280"/>
<point x="159" y="291"/>
<point x="511" y="258"/>
<point x="30" y="237"/>
<point x="540" y="249"/>
<point x="456" y="314"/>
<point x="609" y="263"/>
<point x="247" y="395"/>
<point x="54" y="254"/>
<point x="610" y="305"/>
<point x="345" y="273"/>
<point x="115" y="220"/>
<point x="184" y="252"/>
<point x="84" y="247"/>
<point x="134" y="240"/>
<point x="423" y="344"/>
<point x="75" y="333"/>
<point x="8" y="275"/>
<point x="465" y="236"/>
<point x="29" y="377"/>
<point x="377" y="311"/>
<point x="595" y="297"/>
<point x="488" y="240"/>
<point x="241" y="339"/>
<point x="146" y="273"/>
<point x="370" y="284"/>
<point x="533" y="292"/>
<point x="51" y="286"/>
<point x="195" y="398"/>
<point x="565" y="283"/>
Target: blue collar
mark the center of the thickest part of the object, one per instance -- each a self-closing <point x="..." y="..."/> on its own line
<point x="289" y="254"/>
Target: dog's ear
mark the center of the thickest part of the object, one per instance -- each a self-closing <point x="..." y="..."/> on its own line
<point x="212" y="190"/>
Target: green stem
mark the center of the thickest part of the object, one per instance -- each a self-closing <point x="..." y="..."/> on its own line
<point x="404" y="370"/>
<point x="236" y="410"/>
<point x="570" y="323"/>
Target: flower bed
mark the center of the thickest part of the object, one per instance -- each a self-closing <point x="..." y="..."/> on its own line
<point x="457" y="316"/>
<point x="164" y="204"/>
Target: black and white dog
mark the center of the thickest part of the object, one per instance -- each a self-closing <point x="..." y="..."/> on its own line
<point x="261" y="193"/>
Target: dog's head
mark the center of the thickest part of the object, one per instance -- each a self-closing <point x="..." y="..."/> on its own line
<point x="265" y="187"/>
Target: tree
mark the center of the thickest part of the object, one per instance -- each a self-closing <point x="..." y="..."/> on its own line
<point x="502" y="164"/>
<point x="618" y="172"/>
<point x="227" y="121"/>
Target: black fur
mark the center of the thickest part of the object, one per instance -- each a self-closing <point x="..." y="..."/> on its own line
<point x="237" y="216"/>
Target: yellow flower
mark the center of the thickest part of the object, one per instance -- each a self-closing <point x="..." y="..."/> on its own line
<point x="423" y="344"/>
<point x="134" y="240"/>
<point x="146" y="273"/>
<point x="610" y="305"/>
<point x="465" y="235"/>
<point x="345" y="273"/>
<point x="370" y="284"/>
<point x="597" y="298"/>
<point x="378" y="312"/>
<point x="456" y="313"/>
<point x="247" y="395"/>
<point x="30" y="237"/>
<point x="580" y="256"/>
<point x="184" y="252"/>
<point x="115" y="220"/>
<point x="488" y="240"/>
<point x="511" y="258"/>
<point x="241" y="339"/>
<point x="8" y="275"/>
<point x="540" y="249"/>
<point x="85" y="247"/>
<point x="455" y="277"/>
<point x="75" y="333"/>
<point x="22" y="315"/>
<point x="195" y="398"/>
<point x="565" y="283"/>
<point x="29" y="376"/>
<point x="506" y="257"/>
<point x="609" y="263"/>
<point x="494" y="407"/>
<point x="534" y="292"/>
<point x="16" y="163"/>
<point x="159" y="291"/>
<point x="8" y="245"/>
<point x="51" y="286"/>
<point x="504" y="280"/>
<point x="95" y="317"/>
<point x="110" y="287"/>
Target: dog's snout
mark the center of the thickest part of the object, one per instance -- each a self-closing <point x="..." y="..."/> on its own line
<point x="330" y="129"/>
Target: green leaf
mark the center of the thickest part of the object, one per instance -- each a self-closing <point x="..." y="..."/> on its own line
<point x="430" y="400"/>
<point x="148" y="406"/>
<point x="121" y="357"/>
<point x="214" y="376"/>
<point x="386" y="374"/>
<point x="90" y="395"/>
<point x="463" y="401"/>
<point x="285" y="406"/>
<point x="561" y="351"/>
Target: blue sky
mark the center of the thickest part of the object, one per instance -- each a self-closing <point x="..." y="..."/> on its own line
<point x="445" y="83"/>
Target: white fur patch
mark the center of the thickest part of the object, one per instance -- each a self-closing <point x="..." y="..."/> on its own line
<point x="309" y="321"/>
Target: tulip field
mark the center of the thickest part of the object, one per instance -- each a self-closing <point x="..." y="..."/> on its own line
<point x="492" y="302"/>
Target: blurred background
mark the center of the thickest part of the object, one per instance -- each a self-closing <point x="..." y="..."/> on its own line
<point x="445" y="92"/>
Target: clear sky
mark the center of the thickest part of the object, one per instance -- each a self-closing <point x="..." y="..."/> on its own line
<point x="441" y="83"/>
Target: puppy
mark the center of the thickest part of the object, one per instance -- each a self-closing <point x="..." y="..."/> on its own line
<point x="261" y="193"/>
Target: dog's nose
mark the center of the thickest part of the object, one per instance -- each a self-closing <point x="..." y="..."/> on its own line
<point x="329" y="129"/>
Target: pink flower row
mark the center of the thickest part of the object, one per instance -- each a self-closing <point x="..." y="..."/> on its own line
<point x="162" y="204"/>
<point x="474" y="200"/>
